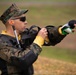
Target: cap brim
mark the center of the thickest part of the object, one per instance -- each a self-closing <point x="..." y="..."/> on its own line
<point x="22" y="12"/>
<point x="19" y="13"/>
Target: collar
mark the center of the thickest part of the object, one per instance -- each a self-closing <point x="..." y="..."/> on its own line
<point x="5" y="33"/>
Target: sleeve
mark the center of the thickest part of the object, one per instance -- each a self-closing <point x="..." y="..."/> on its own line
<point x="20" y="58"/>
<point x="54" y="35"/>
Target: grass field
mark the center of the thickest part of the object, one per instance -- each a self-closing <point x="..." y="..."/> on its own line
<point x="60" y="54"/>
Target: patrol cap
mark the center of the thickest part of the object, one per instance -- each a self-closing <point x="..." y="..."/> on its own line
<point x="12" y="12"/>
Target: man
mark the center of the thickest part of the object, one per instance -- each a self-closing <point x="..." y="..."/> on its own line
<point x="16" y="58"/>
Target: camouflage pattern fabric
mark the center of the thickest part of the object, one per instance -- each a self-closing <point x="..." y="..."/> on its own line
<point x="16" y="59"/>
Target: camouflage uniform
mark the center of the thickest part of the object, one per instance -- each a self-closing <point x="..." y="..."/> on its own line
<point x="15" y="61"/>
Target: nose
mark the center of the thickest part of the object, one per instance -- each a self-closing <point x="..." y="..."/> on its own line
<point x="25" y="22"/>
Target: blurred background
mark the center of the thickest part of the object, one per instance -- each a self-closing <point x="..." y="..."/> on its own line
<point x="54" y="60"/>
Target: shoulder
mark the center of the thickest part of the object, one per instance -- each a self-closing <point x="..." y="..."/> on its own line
<point x="6" y="39"/>
<point x="3" y="37"/>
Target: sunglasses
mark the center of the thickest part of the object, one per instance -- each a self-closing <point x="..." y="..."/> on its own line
<point x="22" y="19"/>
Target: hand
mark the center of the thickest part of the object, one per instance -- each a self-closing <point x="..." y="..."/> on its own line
<point x="43" y="33"/>
<point x="75" y="25"/>
<point x="41" y="36"/>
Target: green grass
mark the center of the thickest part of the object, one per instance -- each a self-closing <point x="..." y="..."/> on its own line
<point x="54" y="15"/>
<point x="59" y="53"/>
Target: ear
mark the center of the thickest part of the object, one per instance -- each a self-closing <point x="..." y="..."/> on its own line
<point x="11" y="22"/>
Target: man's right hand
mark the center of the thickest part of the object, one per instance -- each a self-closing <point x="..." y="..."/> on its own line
<point x="43" y="33"/>
<point x="41" y="36"/>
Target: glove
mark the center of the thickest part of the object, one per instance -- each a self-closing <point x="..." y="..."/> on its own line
<point x="67" y="28"/>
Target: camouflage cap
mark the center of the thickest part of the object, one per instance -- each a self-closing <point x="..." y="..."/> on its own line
<point x="12" y="11"/>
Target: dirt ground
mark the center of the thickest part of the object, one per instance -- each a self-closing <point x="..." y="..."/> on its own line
<point x="45" y="66"/>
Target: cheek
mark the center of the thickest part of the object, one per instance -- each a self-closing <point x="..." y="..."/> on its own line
<point x="17" y="26"/>
<point x="20" y="27"/>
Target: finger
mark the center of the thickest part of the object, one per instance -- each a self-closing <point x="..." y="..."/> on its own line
<point x="44" y="29"/>
<point x="75" y="25"/>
